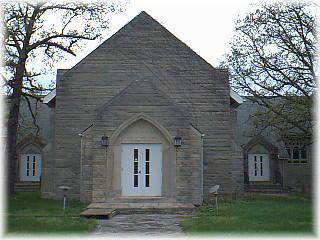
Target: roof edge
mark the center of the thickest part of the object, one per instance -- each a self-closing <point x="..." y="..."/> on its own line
<point x="49" y="97"/>
<point x="236" y="97"/>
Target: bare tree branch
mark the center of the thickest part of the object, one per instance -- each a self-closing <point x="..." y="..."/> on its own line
<point x="272" y="61"/>
<point x="34" y="118"/>
<point x="30" y="36"/>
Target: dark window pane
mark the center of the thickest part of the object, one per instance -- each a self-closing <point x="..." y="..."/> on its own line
<point x="135" y="168"/>
<point x="303" y="153"/>
<point x="34" y="165"/>
<point x="135" y="181"/>
<point x="295" y="154"/>
<point x="147" y="155"/>
<point x="147" y="167"/>
<point x="28" y="165"/>
<point x="255" y="165"/>
<point x="147" y="181"/>
<point x="261" y="168"/>
<point x="135" y="154"/>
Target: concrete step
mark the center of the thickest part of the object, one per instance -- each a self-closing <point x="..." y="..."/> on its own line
<point x="127" y="200"/>
<point x="144" y="207"/>
<point x="264" y="186"/>
<point x="27" y="186"/>
<point x="104" y="213"/>
<point x="140" y="205"/>
<point x="270" y="188"/>
<point x="267" y="190"/>
<point x="156" y="210"/>
<point x="26" y="189"/>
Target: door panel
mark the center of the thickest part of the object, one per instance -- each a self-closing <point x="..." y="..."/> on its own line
<point x="30" y="167"/>
<point x="258" y="167"/>
<point x="141" y="170"/>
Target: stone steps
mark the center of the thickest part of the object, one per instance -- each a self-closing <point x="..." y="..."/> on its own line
<point x="267" y="191"/>
<point x="109" y="209"/>
<point x="127" y="200"/>
<point x="265" y="188"/>
<point x="140" y="205"/>
<point x="156" y="210"/>
<point x="99" y="213"/>
<point x="27" y="186"/>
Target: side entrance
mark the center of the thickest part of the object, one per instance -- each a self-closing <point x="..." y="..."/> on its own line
<point x="258" y="167"/>
<point x="30" y="167"/>
<point x="141" y="169"/>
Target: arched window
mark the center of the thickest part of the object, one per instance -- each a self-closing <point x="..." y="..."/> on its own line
<point x="297" y="152"/>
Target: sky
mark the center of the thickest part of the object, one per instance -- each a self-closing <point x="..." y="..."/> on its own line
<point x="205" y="26"/>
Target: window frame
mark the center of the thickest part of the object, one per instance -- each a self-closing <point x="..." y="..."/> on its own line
<point x="299" y="160"/>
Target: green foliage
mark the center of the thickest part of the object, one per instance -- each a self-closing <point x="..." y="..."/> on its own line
<point x="256" y="215"/>
<point x="28" y="213"/>
<point x="273" y="60"/>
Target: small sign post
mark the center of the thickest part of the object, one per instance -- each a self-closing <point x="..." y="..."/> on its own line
<point x="214" y="190"/>
<point x="64" y="189"/>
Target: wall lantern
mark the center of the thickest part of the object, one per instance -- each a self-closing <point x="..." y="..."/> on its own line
<point x="177" y="141"/>
<point x="104" y="141"/>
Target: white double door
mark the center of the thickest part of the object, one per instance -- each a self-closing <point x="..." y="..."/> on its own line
<point x="258" y="166"/>
<point x="30" y="167"/>
<point x="141" y="169"/>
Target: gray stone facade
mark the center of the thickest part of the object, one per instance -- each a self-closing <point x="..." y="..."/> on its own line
<point x="143" y="85"/>
<point x="29" y="141"/>
<point x="145" y="75"/>
<point x="290" y="173"/>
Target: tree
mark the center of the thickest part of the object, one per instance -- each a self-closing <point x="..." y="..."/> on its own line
<point x="31" y="36"/>
<point x="273" y="60"/>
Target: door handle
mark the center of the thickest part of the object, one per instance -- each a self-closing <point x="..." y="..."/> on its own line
<point x="139" y="171"/>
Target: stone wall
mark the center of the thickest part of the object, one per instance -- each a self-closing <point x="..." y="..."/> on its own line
<point x="144" y="50"/>
<point x="299" y="176"/>
<point x="142" y="98"/>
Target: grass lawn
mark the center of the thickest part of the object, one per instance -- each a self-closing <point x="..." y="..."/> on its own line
<point x="28" y="213"/>
<point x="258" y="215"/>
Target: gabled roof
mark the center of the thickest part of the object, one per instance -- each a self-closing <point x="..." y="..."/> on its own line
<point x="144" y="19"/>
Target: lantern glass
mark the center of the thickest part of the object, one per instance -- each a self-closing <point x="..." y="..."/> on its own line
<point x="178" y="141"/>
<point x="104" y="141"/>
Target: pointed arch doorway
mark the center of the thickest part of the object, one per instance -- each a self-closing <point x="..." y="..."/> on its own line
<point x="144" y="159"/>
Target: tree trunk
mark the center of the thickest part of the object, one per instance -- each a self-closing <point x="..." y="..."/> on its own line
<point x="12" y="138"/>
<point x="13" y="124"/>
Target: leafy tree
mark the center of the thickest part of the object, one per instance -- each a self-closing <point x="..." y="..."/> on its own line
<point x="273" y="60"/>
<point x="42" y="31"/>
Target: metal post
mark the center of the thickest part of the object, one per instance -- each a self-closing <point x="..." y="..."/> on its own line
<point x="216" y="198"/>
<point x="214" y="190"/>
<point x="64" y="203"/>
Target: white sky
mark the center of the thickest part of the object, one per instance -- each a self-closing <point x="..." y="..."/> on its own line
<point x="205" y="26"/>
